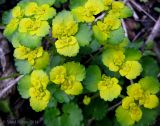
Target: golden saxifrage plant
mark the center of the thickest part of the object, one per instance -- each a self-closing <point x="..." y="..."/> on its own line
<point x="77" y="63"/>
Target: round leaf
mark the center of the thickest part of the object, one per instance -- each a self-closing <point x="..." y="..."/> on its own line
<point x="24" y="86"/>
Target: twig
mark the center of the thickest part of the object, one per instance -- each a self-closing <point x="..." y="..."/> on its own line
<point x="135" y="16"/>
<point x="114" y="106"/>
<point x="154" y="31"/>
<point x="141" y="9"/>
<point x="100" y="17"/>
<point x="11" y="84"/>
<point x="137" y="36"/>
<point x="124" y="27"/>
<point x="151" y="37"/>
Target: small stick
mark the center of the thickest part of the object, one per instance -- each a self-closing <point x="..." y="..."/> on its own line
<point x="154" y="31"/>
<point x="142" y="10"/>
<point x="137" y="36"/>
<point x="114" y="106"/>
<point x="124" y="27"/>
<point x="11" y="84"/>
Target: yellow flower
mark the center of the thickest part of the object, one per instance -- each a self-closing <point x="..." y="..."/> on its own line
<point x="107" y="3"/>
<point x="45" y="12"/>
<point x="86" y="100"/>
<point x="21" y="52"/>
<point x="39" y="79"/>
<point x="39" y="95"/>
<point x="127" y="101"/>
<point x="117" y="7"/>
<point x="34" y="27"/>
<point x="109" y="88"/>
<point x="63" y="25"/>
<point x="86" y="13"/>
<point x="136" y="113"/>
<point x="94" y="6"/>
<point x="40" y="101"/>
<point x="113" y="59"/>
<point x="32" y="55"/>
<point x="149" y="101"/>
<point x="67" y="46"/>
<point x="17" y="12"/>
<point x="112" y="23"/>
<point x="135" y="91"/>
<point x="101" y="32"/>
<point x="26" y="24"/>
<point x="58" y="74"/>
<point x="81" y="14"/>
<point x="11" y="27"/>
<point x="131" y="69"/>
<point x="31" y="9"/>
<point x="71" y="86"/>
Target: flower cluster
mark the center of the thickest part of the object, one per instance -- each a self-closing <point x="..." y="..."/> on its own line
<point x="86" y="12"/>
<point x="34" y="57"/>
<point x="69" y="77"/>
<point x="115" y="60"/>
<point x="39" y="95"/>
<point x="64" y="28"/>
<point x="109" y="88"/>
<point x="29" y="19"/>
<point x="103" y="28"/>
<point x="141" y="93"/>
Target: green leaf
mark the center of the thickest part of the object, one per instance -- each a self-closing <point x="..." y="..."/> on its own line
<point x="148" y="117"/>
<point x="116" y="36"/>
<point x="126" y="12"/>
<point x="15" y="40"/>
<point x="123" y="117"/>
<point x="4" y="106"/>
<point x="24" y="86"/>
<point x="74" y="114"/>
<point x="150" y="84"/>
<point x="52" y="102"/>
<point x="56" y="60"/>
<point x="6" y="17"/>
<point x="94" y="45"/>
<point x="84" y="35"/>
<point x="23" y="67"/>
<point x="105" y="122"/>
<point x="93" y="76"/>
<point x="97" y="109"/>
<point x="61" y="96"/>
<point x="59" y="2"/>
<point x="75" y="3"/>
<point x="132" y="54"/>
<point x="51" y="117"/>
<point x="71" y="116"/>
<point x="29" y="41"/>
<point x="50" y="2"/>
<point x="42" y="62"/>
<point x="76" y="69"/>
<point x="150" y="66"/>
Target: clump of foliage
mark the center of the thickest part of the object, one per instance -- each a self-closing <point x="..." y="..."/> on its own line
<point x="76" y="62"/>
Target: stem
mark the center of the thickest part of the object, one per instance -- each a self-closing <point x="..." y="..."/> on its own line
<point x="114" y="106"/>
